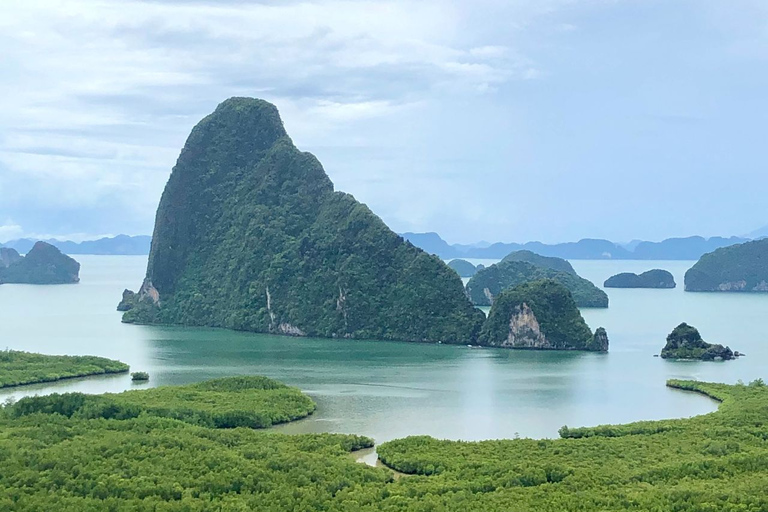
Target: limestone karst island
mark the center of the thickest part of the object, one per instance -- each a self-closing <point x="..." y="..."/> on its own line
<point x="383" y="256"/>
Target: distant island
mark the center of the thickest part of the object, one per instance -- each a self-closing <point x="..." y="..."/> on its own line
<point x="739" y="268"/>
<point x="690" y="248"/>
<point x="19" y="368"/>
<point x="117" y="245"/>
<point x="8" y="256"/>
<point x="540" y="315"/>
<point x="464" y="268"/>
<point x="685" y="342"/>
<point x="531" y="257"/>
<point x="43" y="264"/>
<point x="491" y="281"/>
<point x="655" y="278"/>
<point x="250" y="235"/>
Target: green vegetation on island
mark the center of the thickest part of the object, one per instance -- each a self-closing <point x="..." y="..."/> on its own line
<point x="250" y="235"/>
<point x="685" y="342"/>
<point x="540" y="315"/>
<point x="541" y="261"/>
<point x="252" y="402"/>
<point x="655" y="278"/>
<point x="715" y="462"/>
<point x="465" y="268"/>
<point x="139" y="376"/>
<point x="738" y="268"/>
<point x="43" y="264"/>
<point x="491" y="281"/>
<point x="19" y="368"/>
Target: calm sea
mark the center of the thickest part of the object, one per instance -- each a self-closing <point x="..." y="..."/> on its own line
<point x="388" y="390"/>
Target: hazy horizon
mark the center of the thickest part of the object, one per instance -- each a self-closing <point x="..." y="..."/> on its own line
<point x="500" y="121"/>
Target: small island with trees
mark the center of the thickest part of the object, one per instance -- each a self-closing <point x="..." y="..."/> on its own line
<point x="685" y="342"/>
<point x="540" y="315"/>
<point x="43" y="264"/>
<point x="656" y="278"/>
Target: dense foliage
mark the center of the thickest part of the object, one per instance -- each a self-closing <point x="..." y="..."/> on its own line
<point x="738" y="268"/>
<point x="542" y="315"/>
<point x="140" y="376"/>
<point x="711" y="463"/>
<point x="250" y="235"/>
<point x="254" y="402"/>
<point x="44" y="264"/>
<point x="18" y="368"/>
<point x="489" y="282"/>
<point x="464" y="268"/>
<point x="655" y="278"/>
<point x="685" y="342"/>
<point x="541" y="261"/>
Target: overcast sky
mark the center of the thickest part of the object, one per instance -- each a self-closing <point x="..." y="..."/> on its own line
<point x="510" y="120"/>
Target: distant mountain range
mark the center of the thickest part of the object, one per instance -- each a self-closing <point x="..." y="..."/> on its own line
<point x="121" y="244"/>
<point x="690" y="248"/>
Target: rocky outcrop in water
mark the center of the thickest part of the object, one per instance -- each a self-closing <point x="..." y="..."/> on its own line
<point x="685" y="342"/>
<point x="655" y="278"/>
<point x="43" y="264"/>
<point x="540" y="315"/>
<point x="250" y="235"/>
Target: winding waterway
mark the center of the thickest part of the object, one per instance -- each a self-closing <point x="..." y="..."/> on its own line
<point x="388" y="390"/>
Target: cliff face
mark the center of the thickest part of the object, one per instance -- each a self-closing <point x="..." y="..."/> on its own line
<point x="44" y="264"/>
<point x="540" y="315"/>
<point x="491" y="281"/>
<point x="738" y="268"/>
<point x="656" y="278"/>
<point x="250" y="235"/>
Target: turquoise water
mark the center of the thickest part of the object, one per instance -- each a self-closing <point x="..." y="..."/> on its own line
<point x="388" y="390"/>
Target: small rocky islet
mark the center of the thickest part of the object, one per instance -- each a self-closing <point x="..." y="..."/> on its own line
<point x="685" y="342"/>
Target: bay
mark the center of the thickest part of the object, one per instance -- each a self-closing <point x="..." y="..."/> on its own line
<point x="388" y="390"/>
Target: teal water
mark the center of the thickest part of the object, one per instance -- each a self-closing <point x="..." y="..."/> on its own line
<point x="388" y="390"/>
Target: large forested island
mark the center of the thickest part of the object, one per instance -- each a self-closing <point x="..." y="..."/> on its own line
<point x="251" y="235"/>
<point x="75" y="452"/>
<point x="491" y="281"/>
<point x="540" y="315"/>
<point x="18" y="368"/>
<point x="655" y="278"/>
<point x="43" y="264"/>
<point x="464" y="268"/>
<point x="738" y="268"/>
<point x="685" y="342"/>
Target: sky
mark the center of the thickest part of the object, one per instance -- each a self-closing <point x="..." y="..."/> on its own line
<point x="515" y="120"/>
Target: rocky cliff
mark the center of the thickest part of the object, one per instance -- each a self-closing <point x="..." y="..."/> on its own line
<point x="540" y="315"/>
<point x="251" y="235"/>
